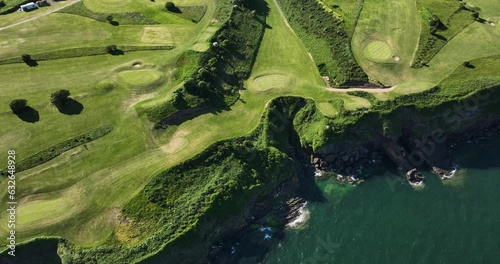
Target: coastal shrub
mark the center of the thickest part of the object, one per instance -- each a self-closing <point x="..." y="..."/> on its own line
<point x="191" y="201"/>
<point x="222" y="68"/>
<point x="368" y="96"/>
<point x="60" y="97"/>
<point x="325" y="36"/>
<point x="440" y="21"/>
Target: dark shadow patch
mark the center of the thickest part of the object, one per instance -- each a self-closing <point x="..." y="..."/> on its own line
<point x="29" y="115"/>
<point x="40" y="251"/>
<point x="71" y="107"/>
<point x="31" y="62"/>
<point x="117" y="52"/>
<point x="114" y="23"/>
<point x="469" y="65"/>
<point x="174" y="9"/>
<point x="440" y="37"/>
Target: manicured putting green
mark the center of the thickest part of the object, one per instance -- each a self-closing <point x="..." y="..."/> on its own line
<point x="327" y="109"/>
<point x="377" y="51"/>
<point x="140" y="78"/>
<point x="270" y="81"/>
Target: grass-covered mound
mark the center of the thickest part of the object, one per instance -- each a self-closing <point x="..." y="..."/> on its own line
<point x="325" y="36"/>
<point x="223" y="68"/>
<point x="440" y="22"/>
<point x="183" y="210"/>
<point x="128" y="18"/>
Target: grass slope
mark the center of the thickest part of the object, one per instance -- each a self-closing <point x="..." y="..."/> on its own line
<point x="75" y="180"/>
<point x="324" y="35"/>
<point x="394" y="23"/>
<point x="129" y="18"/>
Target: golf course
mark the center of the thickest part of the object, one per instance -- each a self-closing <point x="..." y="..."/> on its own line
<point x="135" y="116"/>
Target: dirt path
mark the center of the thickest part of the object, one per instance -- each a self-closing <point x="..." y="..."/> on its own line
<point x="39" y="16"/>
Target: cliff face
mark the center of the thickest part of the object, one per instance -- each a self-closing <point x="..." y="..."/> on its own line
<point x="414" y="137"/>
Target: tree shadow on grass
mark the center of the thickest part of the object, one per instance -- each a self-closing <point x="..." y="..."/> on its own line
<point x="71" y="107"/>
<point x="117" y="52"/>
<point x="175" y="9"/>
<point x="29" y="115"/>
<point x="114" y="23"/>
<point x="31" y="62"/>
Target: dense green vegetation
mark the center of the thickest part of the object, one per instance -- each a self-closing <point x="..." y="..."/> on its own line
<point x="7" y="6"/>
<point x="221" y="69"/>
<point x="177" y="205"/>
<point x="325" y="36"/>
<point x="466" y="88"/>
<point x="440" y="22"/>
<point x="56" y="150"/>
<point x="347" y="10"/>
<point x="192" y="13"/>
<point x="190" y="202"/>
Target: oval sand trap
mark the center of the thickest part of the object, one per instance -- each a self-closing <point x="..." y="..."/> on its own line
<point x="140" y="78"/>
<point x="377" y="51"/>
<point x="270" y="81"/>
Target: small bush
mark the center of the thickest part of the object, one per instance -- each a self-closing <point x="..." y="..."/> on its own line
<point x="18" y="105"/>
<point x="111" y="49"/>
<point x="60" y="97"/>
<point x="170" y="6"/>
<point x="26" y="57"/>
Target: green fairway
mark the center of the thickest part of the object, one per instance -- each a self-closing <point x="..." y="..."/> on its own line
<point x="141" y="79"/>
<point x="64" y="197"/>
<point x="79" y="194"/>
<point x="327" y="109"/>
<point x="394" y="23"/>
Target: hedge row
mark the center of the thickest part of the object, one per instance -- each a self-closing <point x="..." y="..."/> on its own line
<point x="224" y="66"/>
<point x="56" y="150"/>
<point x="80" y="52"/>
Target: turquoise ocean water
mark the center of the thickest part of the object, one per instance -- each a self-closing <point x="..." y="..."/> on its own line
<point x="385" y="220"/>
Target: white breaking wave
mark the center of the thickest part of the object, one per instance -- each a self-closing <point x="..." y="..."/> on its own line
<point x="299" y="221"/>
